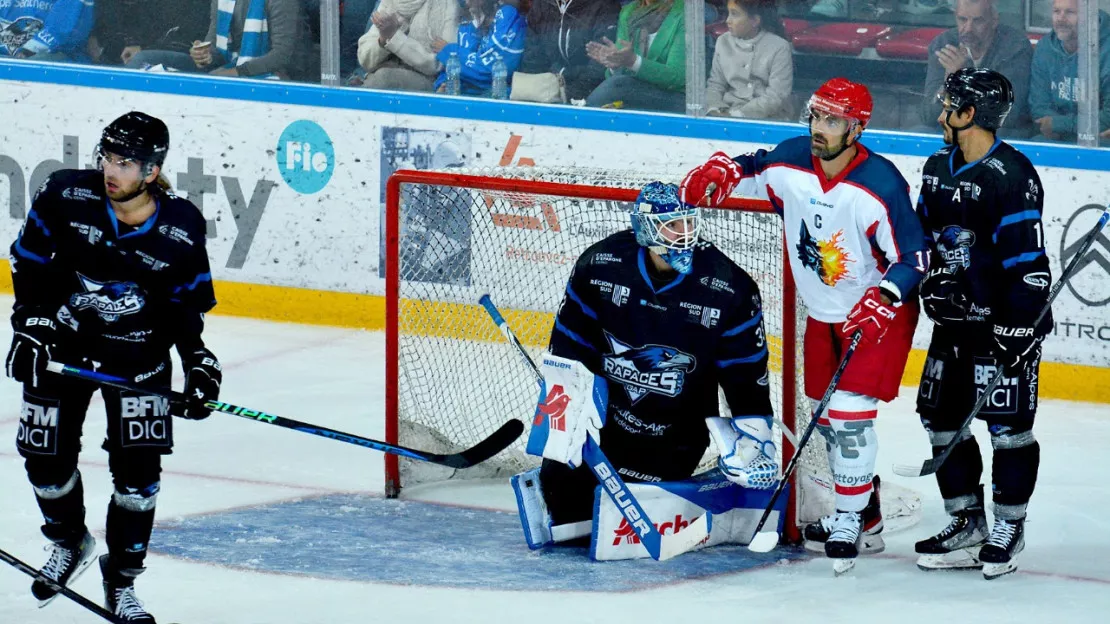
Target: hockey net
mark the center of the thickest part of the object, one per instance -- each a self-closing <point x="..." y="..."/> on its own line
<point x="515" y="233"/>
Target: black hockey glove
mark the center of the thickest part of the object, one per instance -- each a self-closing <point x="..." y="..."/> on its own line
<point x="1011" y="344"/>
<point x="203" y="375"/>
<point x="942" y="296"/>
<point x="35" y="337"/>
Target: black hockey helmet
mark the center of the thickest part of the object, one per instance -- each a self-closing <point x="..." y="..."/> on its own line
<point x="988" y="91"/>
<point x="137" y="136"/>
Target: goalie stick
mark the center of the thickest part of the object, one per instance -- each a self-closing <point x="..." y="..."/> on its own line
<point x="16" y="563"/>
<point x="496" y="442"/>
<point x="765" y="541"/>
<point x="930" y="466"/>
<point x="660" y="547"/>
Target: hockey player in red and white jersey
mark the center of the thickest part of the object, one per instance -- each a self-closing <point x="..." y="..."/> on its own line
<point x="857" y="253"/>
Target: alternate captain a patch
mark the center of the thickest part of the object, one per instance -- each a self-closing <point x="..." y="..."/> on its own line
<point x="650" y="368"/>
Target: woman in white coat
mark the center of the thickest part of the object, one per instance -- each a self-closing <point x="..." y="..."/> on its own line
<point x="397" y="51"/>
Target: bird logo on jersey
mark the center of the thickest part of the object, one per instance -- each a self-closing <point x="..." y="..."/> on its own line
<point x="650" y="368"/>
<point x="826" y="258"/>
<point x="110" y="300"/>
<point x="954" y="244"/>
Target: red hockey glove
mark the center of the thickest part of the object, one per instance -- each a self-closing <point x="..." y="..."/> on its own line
<point x="871" y="316"/>
<point x="717" y="177"/>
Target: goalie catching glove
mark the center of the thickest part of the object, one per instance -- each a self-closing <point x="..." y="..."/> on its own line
<point x="571" y="406"/>
<point x="747" y="454"/>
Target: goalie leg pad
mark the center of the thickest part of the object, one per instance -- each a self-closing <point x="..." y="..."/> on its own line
<point x="854" y="447"/>
<point x="535" y="518"/>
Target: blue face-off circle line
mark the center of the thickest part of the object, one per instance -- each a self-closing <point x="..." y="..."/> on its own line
<point x="366" y="538"/>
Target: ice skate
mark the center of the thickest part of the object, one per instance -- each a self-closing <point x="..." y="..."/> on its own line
<point x="999" y="554"/>
<point x="66" y="563"/>
<point x="817" y="533"/>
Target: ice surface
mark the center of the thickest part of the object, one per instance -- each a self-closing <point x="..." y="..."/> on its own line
<point x="334" y="377"/>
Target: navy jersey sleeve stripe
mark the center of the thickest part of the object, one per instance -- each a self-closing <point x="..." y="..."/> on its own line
<point x="23" y="252"/>
<point x="1028" y="256"/>
<point x="563" y="329"/>
<point x="587" y="310"/>
<point x="754" y="321"/>
<point x="759" y="355"/>
<point x="1017" y="217"/>
<point x="197" y="281"/>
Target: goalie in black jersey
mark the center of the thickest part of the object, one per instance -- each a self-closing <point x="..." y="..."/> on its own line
<point x="655" y="318"/>
<point x="981" y="201"/>
<point x="110" y="268"/>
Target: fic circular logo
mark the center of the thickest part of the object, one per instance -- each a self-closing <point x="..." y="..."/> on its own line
<point x="305" y="157"/>
<point x="1089" y="283"/>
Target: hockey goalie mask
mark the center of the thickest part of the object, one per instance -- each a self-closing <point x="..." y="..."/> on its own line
<point x="666" y="226"/>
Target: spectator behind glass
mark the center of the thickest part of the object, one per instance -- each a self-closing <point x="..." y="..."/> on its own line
<point x="397" y="50"/>
<point x="753" y="64"/>
<point x="47" y="30"/>
<point x="276" y="45"/>
<point x="647" y="65"/>
<point x="126" y="27"/>
<point x="495" y="31"/>
<point x="1053" y="94"/>
<point x="980" y="41"/>
<point x="558" y="31"/>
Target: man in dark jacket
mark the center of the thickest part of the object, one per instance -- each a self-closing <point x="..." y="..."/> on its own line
<point x="980" y="41"/>
<point x="556" y="42"/>
<point x="126" y="27"/>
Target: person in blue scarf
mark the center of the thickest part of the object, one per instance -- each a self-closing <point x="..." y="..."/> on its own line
<point x="496" y="31"/>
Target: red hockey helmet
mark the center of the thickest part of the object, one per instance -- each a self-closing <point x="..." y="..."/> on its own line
<point x="843" y="98"/>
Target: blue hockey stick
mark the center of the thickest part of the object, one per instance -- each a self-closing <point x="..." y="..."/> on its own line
<point x="660" y="547"/>
<point x="497" y="441"/>
<point x="929" y="466"/>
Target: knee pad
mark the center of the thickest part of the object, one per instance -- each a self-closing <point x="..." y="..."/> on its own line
<point x="1006" y="438"/>
<point x="137" y="499"/>
<point x="54" y="492"/>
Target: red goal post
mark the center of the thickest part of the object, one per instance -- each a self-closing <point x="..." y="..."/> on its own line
<point x="451" y="236"/>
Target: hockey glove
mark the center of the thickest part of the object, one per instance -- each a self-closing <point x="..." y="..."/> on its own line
<point x="1011" y="344"/>
<point x="35" y="337"/>
<point x="203" y="375"/>
<point x="571" y="408"/>
<point x="716" y="178"/>
<point x="942" y="296"/>
<point x="747" y="454"/>
<point x="871" y="316"/>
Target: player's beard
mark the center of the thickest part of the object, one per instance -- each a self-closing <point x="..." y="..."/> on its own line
<point x="123" y="192"/>
<point x="949" y="135"/>
<point x="821" y="147"/>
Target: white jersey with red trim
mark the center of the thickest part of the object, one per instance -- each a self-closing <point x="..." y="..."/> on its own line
<point x="843" y="235"/>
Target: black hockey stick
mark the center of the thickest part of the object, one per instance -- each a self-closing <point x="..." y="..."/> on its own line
<point x="659" y="546"/>
<point x="67" y="592"/>
<point x="496" y="442"/>
<point x="765" y="541"/>
<point x="930" y="466"/>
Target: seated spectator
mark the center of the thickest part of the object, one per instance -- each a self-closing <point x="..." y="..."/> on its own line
<point x="48" y="30"/>
<point x="647" y="65"/>
<point x="496" y="30"/>
<point x="126" y="27"/>
<point x="753" y="64"/>
<point x="1053" y="89"/>
<point x="397" y="50"/>
<point x="979" y="40"/>
<point x="274" y="46"/>
<point x="558" y="31"/>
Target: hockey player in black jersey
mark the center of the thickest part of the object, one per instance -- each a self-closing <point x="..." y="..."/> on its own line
<point x="110" y="271"/>
<point x="981" y="201"/>
<point x="661" y="317"/>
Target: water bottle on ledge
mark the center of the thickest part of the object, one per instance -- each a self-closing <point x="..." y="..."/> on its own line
<point x="454" y="70"/>
<point x="500" y="80"/>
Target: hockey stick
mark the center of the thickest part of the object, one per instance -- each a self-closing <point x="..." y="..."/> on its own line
<point x="67" y="592"/>
<point x="930" y="466"/>
<point x="496" y="442"/>
<point x="765" y="541"/>
<point x="660" y="547"/>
